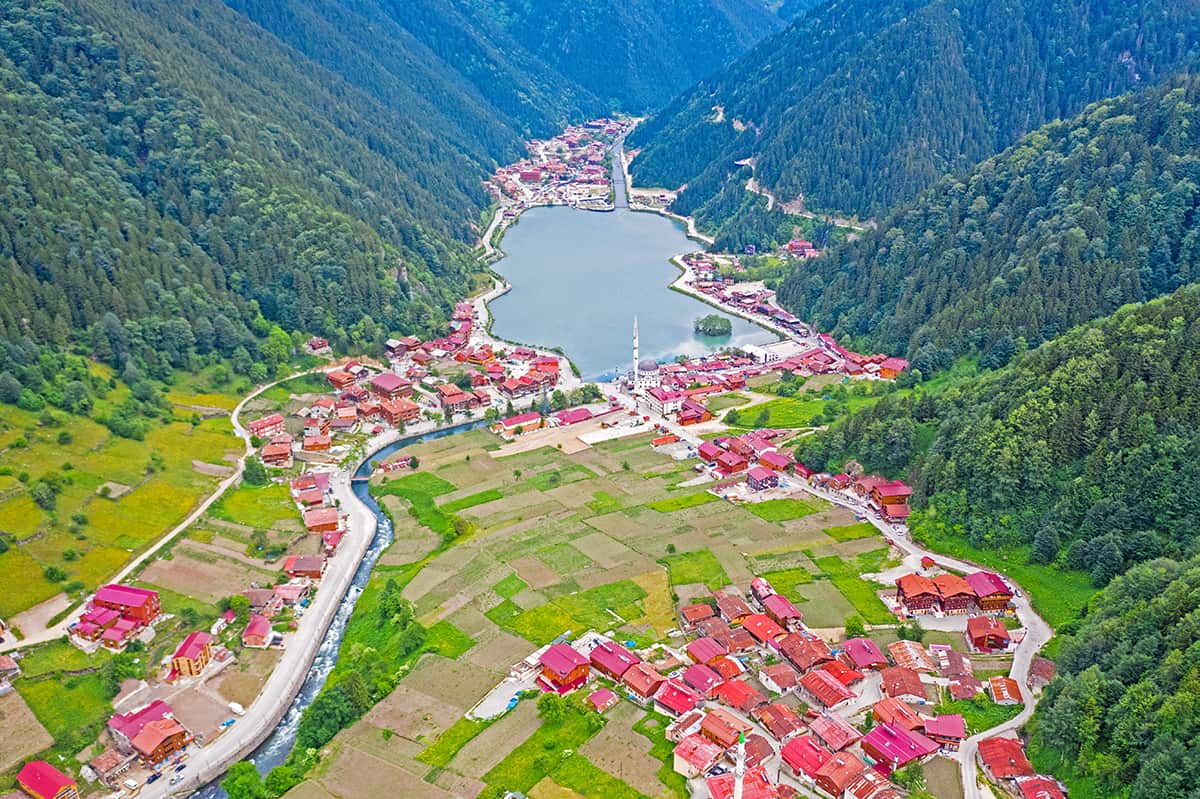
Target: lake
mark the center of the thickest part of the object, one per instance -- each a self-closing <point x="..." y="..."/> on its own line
<point x="579" y="278"/>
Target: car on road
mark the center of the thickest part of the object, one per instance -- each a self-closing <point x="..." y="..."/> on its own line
<point x="153" y="777"/>
<point x="175" y="780"/>
<point x="180" y="767"/>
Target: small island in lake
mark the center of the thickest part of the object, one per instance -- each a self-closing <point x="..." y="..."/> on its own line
<point x="714" y="325"/>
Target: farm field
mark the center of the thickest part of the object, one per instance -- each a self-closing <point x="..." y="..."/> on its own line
<point x="536" y="544"/>
<point x="116" y="496"/>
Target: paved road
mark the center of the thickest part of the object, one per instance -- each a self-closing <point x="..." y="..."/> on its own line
<point x="60" y="629"/>
<point x="262" y="716"/>
<point x="1037" y="634"/>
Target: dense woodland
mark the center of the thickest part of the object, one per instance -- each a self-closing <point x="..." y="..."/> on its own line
<point x="1077" y="219"/>
<point x="1126" y="704"/>
<point x="861" y="104"/>
<point x="1084" y="449"/>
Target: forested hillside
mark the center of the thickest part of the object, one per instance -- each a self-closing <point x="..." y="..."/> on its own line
<point x="1082" y="452"/>
<point x="1075" y="220"/>
<point x="636" y="54"/>
<point x="861" y="104"/>
<point x="1125" y="708"/>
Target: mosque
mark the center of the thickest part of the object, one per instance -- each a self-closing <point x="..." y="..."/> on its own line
<point x="645" y="373"/>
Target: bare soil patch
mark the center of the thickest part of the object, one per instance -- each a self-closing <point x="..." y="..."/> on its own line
<point x="499" y="651"/>
<point x="617" y="749"/>
<point x="242" y="681"/>
<point x="35" y="620"/>
<point x="200" y="712"/>
<point x="603" y="549"/>
<point x="115" y="490"/>
<point x="534" y="572"/>
<point x="358" y="775"/>
<point x="412" y="714"/>
<point x="491" y="746"/>
<point x="23" y="734"/>
<point x="206" y="581"/>
<point x="454" y="682"/>
<point x="211" y="469"/>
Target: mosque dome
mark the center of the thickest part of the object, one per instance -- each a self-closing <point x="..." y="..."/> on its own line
<point x="648" y="365"/>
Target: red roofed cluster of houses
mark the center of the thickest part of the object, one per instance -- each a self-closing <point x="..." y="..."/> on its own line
<point x="756" y="453"/>
<point x="950" y="594"/>
<point x="114" y="616"/>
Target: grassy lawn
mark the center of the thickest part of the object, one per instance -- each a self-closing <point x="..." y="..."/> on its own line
<point x="1058" y="594"/>
<point x="858" y="592"/>
<point x="681" y="502"/>
<point x="58" y="656"/>
<point x="700" y="566"/>
<point x="510" y="586"/>
<point x="569" y="473"/>
<point x="256" y="506"/>
<point x="723" y="402"/>
<point x="579" y="774"/>
<point x="455" y="737"/>
<point x="576" y="612"/>
<point x="540" y="755"/>
<point x="564" y="558"/>
<point x="421" y="490"/>
<point x="447" y="640"/>
<point x="851" y="532"/>
<point x="69" y="708"/>
<point x="780" y="510"/>
<point x="785" y="581"/>
<point x="980" y="713"/>
<point x="653" y="727"/>
<point x="472" y="500"/>
<point x="603" y="502"/>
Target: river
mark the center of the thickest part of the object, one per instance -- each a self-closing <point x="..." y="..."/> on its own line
<point x="276" y="748"/>
<point x="580" y="277"/>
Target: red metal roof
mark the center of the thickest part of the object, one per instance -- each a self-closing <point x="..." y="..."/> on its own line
<point x="988" y="583"/>
<point x="864" y="653"/>
<point x="562" y="659"/>
<point x="130" y="724"/>
<point x="1005" y="758"/>
<point x="193" y="645"/>
<point x="834" y="731"/>
<point x="951" y="725"/>
<point x="896" y="746"/>
<point x="703" y="650"/>
<point x="613" y="657"/>
<point x="676" y="697"/>
<point x="825" y="688"/>
<point x="804" y="755"/>
<point x="1040" y="787"/>
<point x="125" y="595"/>
<point x="42" y="779"/>
<point x="703" y="678"/>
<point x="763" y="628"/>
<point x="781" y="607"/>
<point x="698" y="752"/>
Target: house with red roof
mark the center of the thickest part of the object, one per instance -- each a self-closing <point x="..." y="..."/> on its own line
<point x="893" y="711"/>
<point x="916" y="594"/>
<point x="871" y="785"/>
<point x="192" y="655"/>
<point x="602" y="699"/>
<point x="863" y="654"/>
<point x="1004" y="758"/>
<point x="833" y="731"/>
<point x="691" y="615"/>
<point x="804" y="651"/>
<point x="41" y="780"/>
<point x="705" y="650"/>
<point x="892" y="748"/>
<point x="1040" y="787"/>
<point x="339" y="379"/>
<point x="123" y="728"/>
<point x="319" y="520"/>
<point x="763" y="628"/>
<point x="140" y="604"/>
<point x="703" y="679"/>
<point x="729" y="462"/>
<point x="903" y="684"/>
<point x="910" y="655"/>
<point x="955" y="594"/>
<point x="519" y="424"/>
<point x="755" y="785"/>
<point x="160" y="739"/>
<point x="391" y="386"/>
<point x="778" y="678"/>
<point x="804" y="757"/>
<point x="841" y="672"/>
<point x="824" y="689"/>
<point x="310" y="566"/>
<point x="696" y="755"/>
<point x="987" y="634"/>
<point x="781" y="721"/>
<point x="991" y="592"/>
<point x="267" y="426"/>
<point x="776" y="461"/>
<point x="732" y="608"/>
<point x="674" y="698"/>
<point x="257" y="634"/>
<point x="692" y="412"/>
<point x="641" y="681"/>
<point x="760" y="478"/>
<point x="739" y="695"/>
<point x="277" y="454"/>
<point x="118" y="635"/>
<point x="684" y="726"/>
<point x="723" y="728"/>
<point x="838" y="772"/>
<point x="781" y="611"/>
<point x="399" y="411"/>
<point x="1005" y="690"/>
<point x="612" y="660"/>
<point x="890" y="368"/>
<point x="709" y="452"/>
<point x="563" y="669"/>
<point x="948" y="730"/>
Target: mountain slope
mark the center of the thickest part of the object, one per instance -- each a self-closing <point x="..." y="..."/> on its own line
<point x="1077" y="219"/>
<point x="860" y="104"/>
<point x="1080" y="453"/>
<point x="637" y="54"/>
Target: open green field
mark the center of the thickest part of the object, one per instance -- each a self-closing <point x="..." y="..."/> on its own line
<point x="781" y="510"/>
<point x="682" y="502"/>
<point x="723" y="402"/>
<point x="860" y="593"/>
<point x="852" y="532"/>
<point x="980" y="713"/>
<point x="257" y="506"/>
<point x="577" y="613"/>
<point x="1059" y="595"/>
<point x="68" y="708"/>
<point x="116" y="496"/>
<point x="700" y="566"/>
